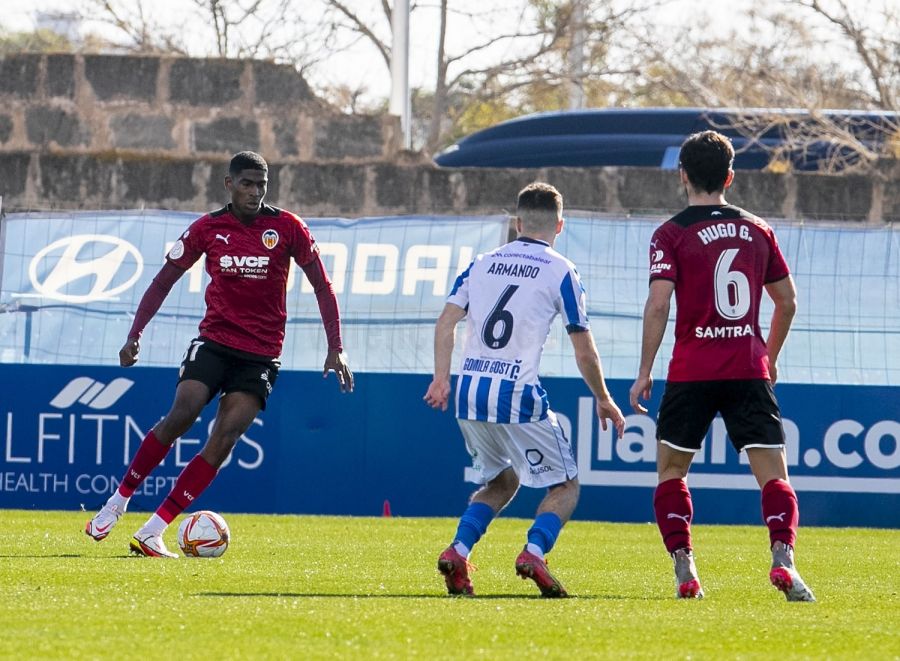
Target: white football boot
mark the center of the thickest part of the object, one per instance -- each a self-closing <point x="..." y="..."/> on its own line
<point x="687" y="584"/>
<point x="785" y="577"/>
<point x="104" y="520"/>
<point x="150" y="545"/>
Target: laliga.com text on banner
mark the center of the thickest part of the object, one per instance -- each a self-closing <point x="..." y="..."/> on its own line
<point x="848" y="457"/>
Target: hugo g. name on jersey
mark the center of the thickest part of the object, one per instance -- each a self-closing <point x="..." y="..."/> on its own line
<point x="511" y="296"/>
<point x="719" y="258"/>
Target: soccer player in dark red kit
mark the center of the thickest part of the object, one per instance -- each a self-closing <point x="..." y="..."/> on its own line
<point x="717" y="259"/>
<point x="249" y="247"/>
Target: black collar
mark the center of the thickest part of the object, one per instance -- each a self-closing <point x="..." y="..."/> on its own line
<point x="528" y="239"/>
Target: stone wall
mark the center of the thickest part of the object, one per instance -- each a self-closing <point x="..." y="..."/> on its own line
<point x="178" y="107"/>
<point x="113" y="132"/>
<point x="30" y="180"/>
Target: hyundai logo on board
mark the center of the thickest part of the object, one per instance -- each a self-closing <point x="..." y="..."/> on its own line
<point x="85" y="268"/>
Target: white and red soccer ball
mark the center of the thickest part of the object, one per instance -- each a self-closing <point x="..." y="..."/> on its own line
<point x="203" y="534"/>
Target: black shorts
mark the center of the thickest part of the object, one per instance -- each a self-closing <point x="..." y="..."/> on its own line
<point x="748" y="407"/>
<point x="226" y="370"/>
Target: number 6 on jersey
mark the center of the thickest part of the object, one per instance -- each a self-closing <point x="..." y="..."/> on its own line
<point x="499" y="317"/>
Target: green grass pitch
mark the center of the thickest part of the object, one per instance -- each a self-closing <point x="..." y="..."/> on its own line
<point x="293" y="587"/>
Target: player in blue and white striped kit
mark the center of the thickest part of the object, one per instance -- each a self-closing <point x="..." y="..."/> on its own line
<point x="509" y="298"/>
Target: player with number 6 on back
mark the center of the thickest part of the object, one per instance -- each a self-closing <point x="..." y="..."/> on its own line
<point x="509" y="297"/>
<point x="718" y="259"/>
<point x="249" y="247"/>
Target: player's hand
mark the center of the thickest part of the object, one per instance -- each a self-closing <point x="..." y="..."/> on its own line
<point x="128" y="354"/>
<point x="438" y="394"/>
<point x="640" y="389"/>
<point x="607" y="409"/>
<point x="335" y="362"/>
<point x="773" y="372"/>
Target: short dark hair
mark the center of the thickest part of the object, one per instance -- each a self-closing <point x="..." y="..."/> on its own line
<point x="706" y="158"/>
<point x="539" y="205"/>
<point x="247" y="160"/>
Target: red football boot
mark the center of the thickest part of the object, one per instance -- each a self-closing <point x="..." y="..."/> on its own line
<point x="455" y="569"/>
<point x="531" y="566"/>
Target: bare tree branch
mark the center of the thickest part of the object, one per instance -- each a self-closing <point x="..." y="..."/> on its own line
<point x="856" y="34"/>
<point x="360" y="26"/>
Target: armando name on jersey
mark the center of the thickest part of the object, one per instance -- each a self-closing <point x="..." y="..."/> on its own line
<point x="514" y="270"/>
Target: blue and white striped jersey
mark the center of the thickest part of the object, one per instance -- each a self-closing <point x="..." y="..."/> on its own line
<point x="511" y="296"/>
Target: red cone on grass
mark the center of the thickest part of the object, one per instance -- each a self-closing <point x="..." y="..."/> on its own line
<point x="386" y="511"/>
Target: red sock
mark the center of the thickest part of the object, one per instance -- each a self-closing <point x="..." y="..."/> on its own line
<point x="149" y="455"/>
<point x="674" y="510"/>
<point x="780" y="511"/>
<point x="194" y="479"/>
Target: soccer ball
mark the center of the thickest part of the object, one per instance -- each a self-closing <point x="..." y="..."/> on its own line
<point x="203" y="534"/>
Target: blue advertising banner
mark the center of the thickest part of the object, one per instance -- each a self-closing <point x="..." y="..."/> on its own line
<point x="68" y="436"/>
<point x="70" y="282"/>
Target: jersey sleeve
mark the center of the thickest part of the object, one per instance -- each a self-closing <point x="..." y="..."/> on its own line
<point x="663" y="264"/>
<point x="574" y="302"/>
<point x="777" y="268"/>
<point x="189" y="247"/>
<point x="459" y="295"/>
<point x="303" y="246"/>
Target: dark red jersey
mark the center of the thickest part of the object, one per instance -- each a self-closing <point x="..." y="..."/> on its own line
<point x="719" y="258"/>
<point x="248" y="266"/>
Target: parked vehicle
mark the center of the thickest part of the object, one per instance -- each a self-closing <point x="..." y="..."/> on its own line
<point x="651" y="137"/>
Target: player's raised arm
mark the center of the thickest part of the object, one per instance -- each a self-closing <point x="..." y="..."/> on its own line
<point x="150" y="303"/>
<point x="438" y="393"/>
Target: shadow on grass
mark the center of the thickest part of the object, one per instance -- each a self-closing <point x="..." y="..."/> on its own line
<point x="29" y="556"/>
<point x="46" y="555"/>
<point x="481" y="597"/>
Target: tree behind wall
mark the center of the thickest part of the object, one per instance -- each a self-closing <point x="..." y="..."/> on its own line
<point x="517" y="55"/>
<point x="810" y="55"/>
<point x="516" y="58"/>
